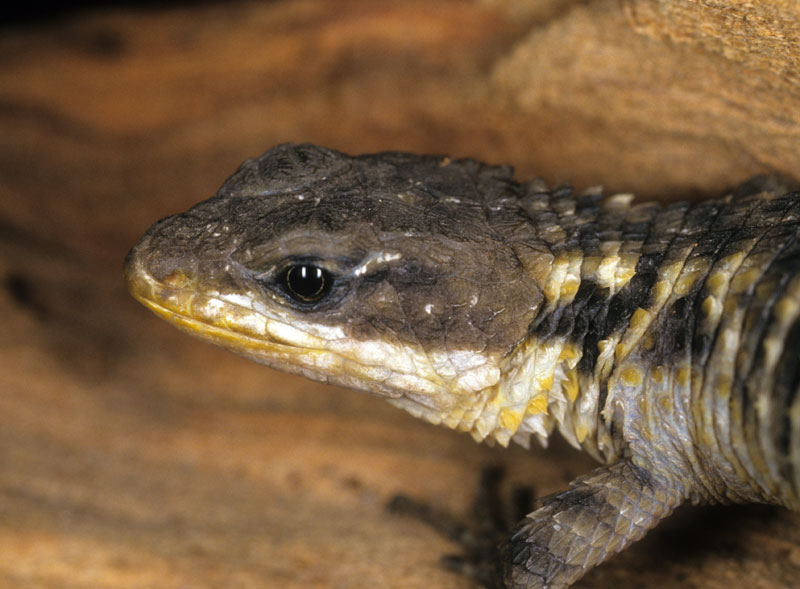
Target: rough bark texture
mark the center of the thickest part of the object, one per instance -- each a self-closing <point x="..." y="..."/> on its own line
<point x="131" y="455"/>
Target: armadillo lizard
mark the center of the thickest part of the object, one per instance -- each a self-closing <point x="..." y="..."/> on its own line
<point x="662" y="339"/>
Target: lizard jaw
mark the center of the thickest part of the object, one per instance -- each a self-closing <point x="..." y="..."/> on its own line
<point x="451" y="388"/>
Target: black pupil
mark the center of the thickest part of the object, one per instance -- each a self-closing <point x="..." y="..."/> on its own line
<point x="307" y="283"/>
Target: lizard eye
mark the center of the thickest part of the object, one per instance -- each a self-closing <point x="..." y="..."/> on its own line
<point x="307" y="283"/>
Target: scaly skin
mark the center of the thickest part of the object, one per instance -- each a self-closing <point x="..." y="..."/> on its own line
<point x="664" y="340"/>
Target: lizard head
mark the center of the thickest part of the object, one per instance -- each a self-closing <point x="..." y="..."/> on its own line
<point x="392" y="273"/>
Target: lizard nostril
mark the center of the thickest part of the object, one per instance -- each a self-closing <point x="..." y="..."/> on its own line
<point x="176" y="279"/>
<point x="173" y="271"/>
<point x="171" y="267"/>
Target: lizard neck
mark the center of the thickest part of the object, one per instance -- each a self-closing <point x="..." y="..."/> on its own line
<point x="604" y="286"/>
<point x="598" y="299"/>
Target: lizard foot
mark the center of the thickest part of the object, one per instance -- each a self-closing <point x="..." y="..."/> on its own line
<point x="599" y="515"/>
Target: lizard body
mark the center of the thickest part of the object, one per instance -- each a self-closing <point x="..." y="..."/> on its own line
<point x="662" y="339"/>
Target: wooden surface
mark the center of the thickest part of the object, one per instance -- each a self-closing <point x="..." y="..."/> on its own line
<point x="133" y="456"/>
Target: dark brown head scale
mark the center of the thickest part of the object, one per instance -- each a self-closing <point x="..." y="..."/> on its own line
<point x="411" y="247"/>
<point x="285" y="169"/>
<point x="318" y="172"/>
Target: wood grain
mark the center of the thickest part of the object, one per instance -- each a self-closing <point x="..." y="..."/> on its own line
<point x="132" y="456"/>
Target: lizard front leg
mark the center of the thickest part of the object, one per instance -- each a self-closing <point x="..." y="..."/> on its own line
<point x="599" y="515"/>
